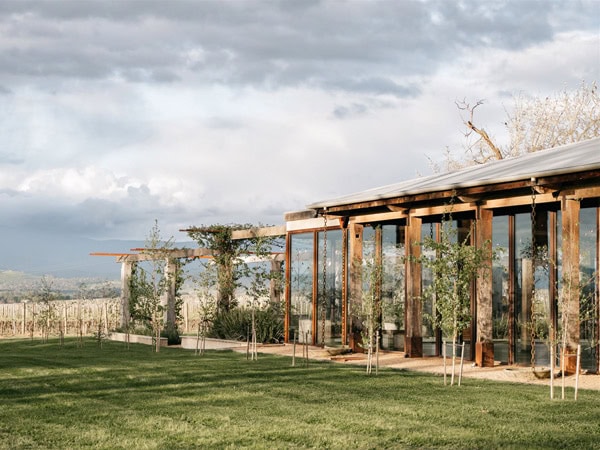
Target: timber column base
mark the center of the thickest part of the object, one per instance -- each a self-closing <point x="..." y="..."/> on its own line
<point x="484" y="354"/>
<point x="570" y="364"/>
<point x="413" y="347"/>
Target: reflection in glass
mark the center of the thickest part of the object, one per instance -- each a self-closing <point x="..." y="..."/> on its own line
<point x="500" y="288"/>
<point x="331" y="323"/>
<point x="532" y="289"/>
<point x="301" y="285"/>
<point x="588" y="312"/>
<point x="429" y="333"/>
<point x="392" y="292"/>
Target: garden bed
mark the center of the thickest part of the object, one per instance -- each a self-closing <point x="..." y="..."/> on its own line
<point x="136" y="339"/>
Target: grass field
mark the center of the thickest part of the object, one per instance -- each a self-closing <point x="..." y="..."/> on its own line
<point x="115" y="398"/>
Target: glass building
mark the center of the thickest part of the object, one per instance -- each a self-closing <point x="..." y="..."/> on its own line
<point x="540" y="214"/>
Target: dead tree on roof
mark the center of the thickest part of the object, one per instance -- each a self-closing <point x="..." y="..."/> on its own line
<point x="533" y="124"/>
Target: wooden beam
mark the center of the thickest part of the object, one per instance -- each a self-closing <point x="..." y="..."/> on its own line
<point x="396" y="208"/>
<point x="381" y="217"/>
<point x="248" y="233"/>
<point x="175" y="253"/>
<point x="579" y="194"/>
<point x="443" y="209"/>
<point x="518" y="201"/>
<point x="469" y="199"/>
<point x="300" y="215"/>
<point x="278" y="230"/>
<point x="110" y="254"/>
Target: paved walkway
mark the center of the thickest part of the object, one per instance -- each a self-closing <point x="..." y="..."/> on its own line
<point x="434" y="365"/>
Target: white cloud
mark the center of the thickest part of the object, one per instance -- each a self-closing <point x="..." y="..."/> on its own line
<point x="206" y="112"/>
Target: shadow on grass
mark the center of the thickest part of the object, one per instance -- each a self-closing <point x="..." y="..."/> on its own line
<point x="70" y="397"/>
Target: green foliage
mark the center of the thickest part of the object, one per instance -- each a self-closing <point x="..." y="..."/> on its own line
<point x="236" y="324"/>
<point x="368" y="311"/>
<point x="147" y="286"/>
<point x="207" y="302"/>
<point x="228" y="255"/>
<point x="171" y="332"/>
<point x="454" y="267"/>
<point x="46" y="314"/>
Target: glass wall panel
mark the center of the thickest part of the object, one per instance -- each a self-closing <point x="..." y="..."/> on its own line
<point x="500" y="288"/>
<point x="429" y="333"/>
<point x="331" y="307"/>
<point x="589" y="291"/>
<point x="532" y="289"/>
<point x="301" y="286"/>
<point x="522" y="283"/>
<point x="393" y="289"/>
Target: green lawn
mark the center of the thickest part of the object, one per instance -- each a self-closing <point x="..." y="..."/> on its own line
<point x="68" y="397"/>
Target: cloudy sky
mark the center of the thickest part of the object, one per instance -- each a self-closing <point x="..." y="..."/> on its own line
<point x="117" y="113"/>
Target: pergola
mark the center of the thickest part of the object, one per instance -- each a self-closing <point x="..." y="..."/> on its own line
<point x="128" y="260"/>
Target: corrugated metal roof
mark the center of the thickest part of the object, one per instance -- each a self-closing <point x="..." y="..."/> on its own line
<point x="565" y="159"/>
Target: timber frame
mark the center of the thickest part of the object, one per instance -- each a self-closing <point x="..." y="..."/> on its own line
<point x="562" y="183"/>
<point x="129" y="260"/>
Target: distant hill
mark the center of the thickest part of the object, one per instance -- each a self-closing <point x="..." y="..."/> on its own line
<point x="64" y="257"/>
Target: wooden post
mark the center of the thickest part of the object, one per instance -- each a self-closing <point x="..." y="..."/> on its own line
<point x="186" y="316"/>
<point x="355" y="266"/>
<point x="168" y="300"/>
<point x="126" y="270"/>
<point x="577" y="370"/>
<point x="570" y="289"/>
<point x="413" y="343"/>
<point x="552" y="358"/>
<point x="294" y="349"/>
<point x="445" y="366"/>
<point x="462" y="361"/>
<point x="484" y="347"/>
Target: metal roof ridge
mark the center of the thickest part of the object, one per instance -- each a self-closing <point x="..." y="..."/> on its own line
<point x="453" y="178"/>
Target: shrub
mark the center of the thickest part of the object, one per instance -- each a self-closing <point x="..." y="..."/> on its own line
<point x="236" y="324"/>
<point x="172" y="335"/>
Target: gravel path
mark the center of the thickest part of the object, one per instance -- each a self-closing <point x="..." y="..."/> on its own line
<point x="435" y="365"/>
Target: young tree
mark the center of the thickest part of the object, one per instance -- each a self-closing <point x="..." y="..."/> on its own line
<point x="259" y="285"/>
<point x="46" y="314"/>
<point x="207" y="303"/>
<point x="147" y="287"/>
<point x="454" y="267"/>
<point x="228" y="256"/>
<point x="370" y="307"/>
<point x="533" y="124"/>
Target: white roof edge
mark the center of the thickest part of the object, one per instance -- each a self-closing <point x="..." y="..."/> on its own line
<point x="388" y="191"/>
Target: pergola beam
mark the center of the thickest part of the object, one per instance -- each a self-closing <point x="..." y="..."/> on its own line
<point x="249" y="233"/>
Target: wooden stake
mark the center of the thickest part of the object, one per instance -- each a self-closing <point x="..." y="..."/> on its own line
<point x="306" y="345"/>
<point x="563" y="366"/>
<point x="294" y="349"/>
<point x="577" y="369"/>
<point x="248" y="345"/>
<point x="462" y="359"/>
<point x="552" y="371"/>
<point x="444" y="356"/>
<point x="377" y="355"/>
